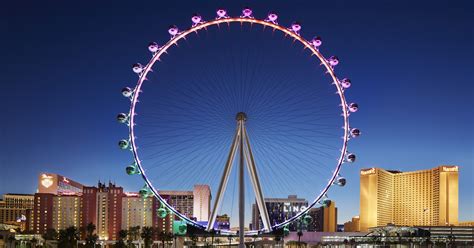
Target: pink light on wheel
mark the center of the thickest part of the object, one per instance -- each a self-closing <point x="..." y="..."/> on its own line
<point x="173" y="31"/>
<point x="247" y="13"/>
<point x="316" y="42"/>
<point x="272" y="17"/>
<point x="296" y="27"/>
<point x="196" y="19"/>
<point x="221" y="13"/>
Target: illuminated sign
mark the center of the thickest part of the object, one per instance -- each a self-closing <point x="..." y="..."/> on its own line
<point x="367" y="172"/>
<point x="292" y="209"/>
<point x="46" y="180"/>
<point x="450" y="169"/>
<point x="131" y="194"/>
<point x="65" y="180"/>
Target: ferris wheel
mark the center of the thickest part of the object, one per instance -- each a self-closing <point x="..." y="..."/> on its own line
<point x="191" y="124"/>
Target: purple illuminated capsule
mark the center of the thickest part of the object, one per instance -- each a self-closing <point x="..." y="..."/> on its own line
<point x="137" y="68"/>
<point x="196" y="19"/>
<point x="127" y="92"/>
<point x="333" y="61"/>
<point x="345" y="83"/>
<point x="221" y="13"/>
<point x="173" y="30"/>
<point x="355" y="133"/>
<point x="272" y="17"/>
<point x="296" y="27"/>
<point x="351" y="157"/>
<point x="316" y="42"/>
<point x="247" y="13"/>
<point x="153" y="47"/>
<point x="353" y="107"/>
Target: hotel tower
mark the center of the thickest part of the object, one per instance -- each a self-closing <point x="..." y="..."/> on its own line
<point x="415" y="198"/>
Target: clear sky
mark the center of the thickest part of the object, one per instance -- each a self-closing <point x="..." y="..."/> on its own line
<point x="63" y="65"/>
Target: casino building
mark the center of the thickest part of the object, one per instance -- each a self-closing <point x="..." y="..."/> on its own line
<point x="279" y="210"/>
<point x="55" y="184"/>
<point x="15" y="209"/>
<point x="415" y="198"/>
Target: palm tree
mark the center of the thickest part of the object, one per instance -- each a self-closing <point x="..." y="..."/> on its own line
<point x="91" y="237"/>
<point x="50" y="235"/>
<point x="147" y="235"/>
<point x="122" y="234"/>
<point x="299" y="233"/>
<point x="133" y="234"/>
<point x="68" y="237"/>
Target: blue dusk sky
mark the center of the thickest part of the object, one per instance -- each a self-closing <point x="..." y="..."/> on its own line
<point x="64" y="63"/>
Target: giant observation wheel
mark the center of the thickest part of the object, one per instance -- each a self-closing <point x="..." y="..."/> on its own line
<point x="240" y="141"/>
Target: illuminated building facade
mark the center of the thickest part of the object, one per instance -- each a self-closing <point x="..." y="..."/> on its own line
<point x="14" y="209"/>
<point x="109" y="211"/>
<point x="89" y="207"/>
<point x="202" y="202"/>
<point x="279" y="210"/>
<point x="182" y="201"/>
<point x="424" y="198"/>
<point x="352" y="225"/>
<point x="137" y="211"/>
<point x="58" y="185"/>
<point x="223" y="222"/>
<point x="67" y="211"/>
<point x="324" y="219"/>
<point x="42" y="213"/>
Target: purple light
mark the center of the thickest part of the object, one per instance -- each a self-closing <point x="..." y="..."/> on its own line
<point x="296" y="27"/>
<point x="345" y="83"/>
<point x="221" y="13"/>
<point x="316" y="42"/>
<point x="173" y="30"/>
<point x="196" y="19"/>
<point x="353" y="107"/>
<point x="272" y="17"/>
<point x="153" y="47"/>
<point x="333" y="61"/>
<point x="137" y="68"/>
<point x="247" y="13"/>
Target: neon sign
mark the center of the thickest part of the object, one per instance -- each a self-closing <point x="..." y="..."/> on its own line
<point x="367" y="172"/>
<point x="450" y="169"/>
<point x="46" y="180"/>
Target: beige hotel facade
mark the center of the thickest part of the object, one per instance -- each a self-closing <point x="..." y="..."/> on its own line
<point x="415" y="198"/>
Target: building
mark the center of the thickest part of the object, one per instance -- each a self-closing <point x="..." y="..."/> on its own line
<point x="55" y="184"/>
<point x="136" y="211"/>
<point x="42" y="213"/>
<point x="109" y="211"/>
<point x="67" y="211"/>
<point x="14" y="209"/>
<point x="279" y="210"/>
<point x="424" y="198"/>
<point x="202" y="202"/>
<point x="324" y="219"/>
<point x="182" y="201"/>
<point x="89" y="207"/>
<point x="162" y="225"/>
<point x="352" y="225"/>
<point x="223" y="222"/>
